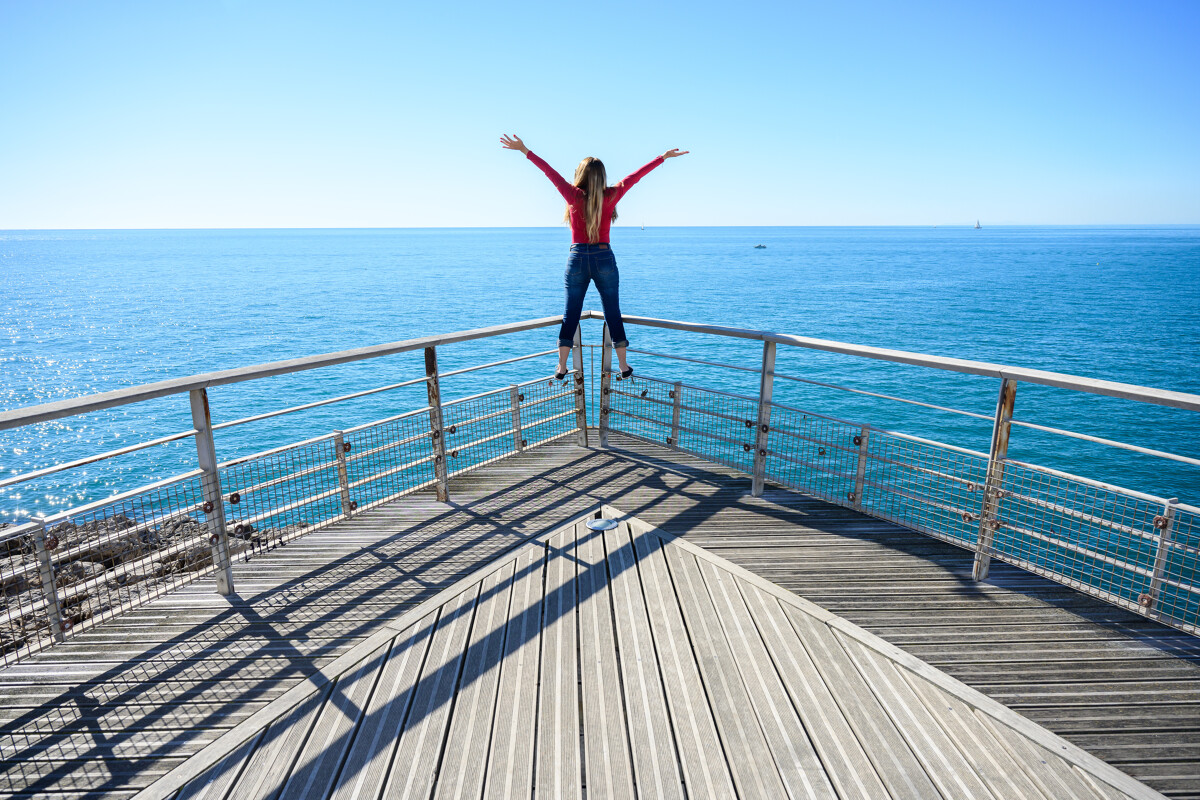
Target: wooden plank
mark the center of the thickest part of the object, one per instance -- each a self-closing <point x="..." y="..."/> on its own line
<point x="999" y="769"/>
<point x="607" y="758"/>
<point x="1055" y="777"/>
<point x="366" y="765"/>
<point x="655" y="761"/>
<point x="279" y="745"/>
<point x="217" y="782"/>
<point x="327" y="746"/>
<point x="753" y="769"/>
<point x="559" y="758"/>
<point x="842" y="755"/>
<point x="788" y="740"/>
<point x="414" y="768"/>
<point x="902" y="773"/>
<point x="462" y="773"/>
<point x="943" y="761"/>
<point x="705" y="770"/>
<point x="510" y="760"/>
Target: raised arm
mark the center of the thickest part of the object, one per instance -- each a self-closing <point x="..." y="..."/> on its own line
<point x="626" y="183"/>
<point x="569" y="192"/>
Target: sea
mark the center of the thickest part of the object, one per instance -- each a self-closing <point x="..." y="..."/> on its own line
<point x="83" y="312"/>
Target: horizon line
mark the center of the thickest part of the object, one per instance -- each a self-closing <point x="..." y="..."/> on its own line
<point x="554" y="227"/>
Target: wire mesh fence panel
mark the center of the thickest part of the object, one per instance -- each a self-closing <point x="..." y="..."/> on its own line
<point x="814" y="454"/>
<point x="1178" y="569"/>
<point x="275" y="497"/>
<point x="547" y="409"/>
<point x="712" y="425"/>
<point x="26" y="623"/>
<point x="108" y="557"/>
<point x="389" y="459"/>
<point x="1093" y="538"/>
<point x="478" y="430"/>
<point x="932" y="489"/>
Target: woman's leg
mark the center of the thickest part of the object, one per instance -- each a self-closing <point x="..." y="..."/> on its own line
<point x="575" y="284"/>
<point x="608" y="283"/>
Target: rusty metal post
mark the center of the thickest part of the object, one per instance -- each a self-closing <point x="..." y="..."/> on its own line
<point x="214" y="504"/>
<point x="342" y="447"/>
<point x="1164" y="523"/>
<point x="606" y="354"/>
<point x="989" y="515"/>
<point x="763" y="428"/>
<point x="437" y="433"/>
<point x="46" y="570"/>
<point x="863" y="440"/>
<point x="676" y="412"/>
<point x="580" y="399"/>
<point x="514" y="393"/>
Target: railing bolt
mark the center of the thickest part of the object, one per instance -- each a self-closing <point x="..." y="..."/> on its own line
<point x="214" y="539"/>
<point x="671" y="394"/>
<point x="1145" y="600"/>
<point x="235" y="498"/>
<point x="65" y="626"/>
<point x="762" y="453"/>
<point x="820" y="451"/>
<point x="436" y="435"/>
<point x="52" y="542"/>
<point x="857" y="441"/>
<point x="645" y="392"/>
<point x="524" y="443"/>
<point x="749" y="423"/>
<point x="347" y="447"/>
<point x="850" y="496"/>
<point x="454" y="454"/>
<point x="353" y="505"/>
<point x="1160" y="522"/>
<point x="520" y="398"/>
<point x="669" y="440"/>
<point x="207" y="507"/>
<point x="746" y="447"/>
<point x="451" y="429"/>
<point x="766" y="428"/>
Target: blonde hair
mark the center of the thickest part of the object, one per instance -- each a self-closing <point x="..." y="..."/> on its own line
<point x="590" y="177"/>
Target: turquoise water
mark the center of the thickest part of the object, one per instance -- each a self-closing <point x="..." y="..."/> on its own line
<point x="91" y="311"/>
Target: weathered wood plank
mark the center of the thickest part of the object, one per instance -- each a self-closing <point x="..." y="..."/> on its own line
<point x="607" y="759"/>
<point x="746" y="750"/>
<point x="655" y="761"/>
<point x="218" y="781"/>
<point x="705" y="771"/>
<point x="559" y="758"/>
<point x="510" y="763"/>
<point x="787" y="739"/>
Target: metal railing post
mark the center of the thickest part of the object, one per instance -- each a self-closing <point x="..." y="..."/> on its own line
<point x="210" y="480"/>
<point x="989" y="514"/>
<point x="763" y="428"/>
<point x="436" y="431"/>
<point x="580" y="400"/>
<point x="342" y="447"/>
<point x="514" y="393"/>
<point x="46" y="570"/>
<point x="863" y="440"/>
<point x="606" y="354"/>
<point x="1164" y="523"/>
<point x="676" y="411"/>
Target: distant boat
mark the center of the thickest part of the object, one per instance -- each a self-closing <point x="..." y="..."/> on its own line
<point x="643" y="226"/>
<point x="977" y="225"/>
<point x="760" y="247"/>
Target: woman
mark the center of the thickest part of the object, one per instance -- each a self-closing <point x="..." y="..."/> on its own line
<point x="591" y="208"/>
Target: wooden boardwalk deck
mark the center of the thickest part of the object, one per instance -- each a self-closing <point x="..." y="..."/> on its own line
<point x="627" y="663"/>
<point x="113" y="709"/>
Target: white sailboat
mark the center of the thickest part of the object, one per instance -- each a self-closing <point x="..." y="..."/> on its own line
<point x="977" y="225"/>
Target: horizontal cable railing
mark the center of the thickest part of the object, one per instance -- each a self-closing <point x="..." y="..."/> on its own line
<point x="66" y="572"/>
<point x="1130" y="548"/>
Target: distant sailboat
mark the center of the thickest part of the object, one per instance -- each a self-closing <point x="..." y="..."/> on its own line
<point x="643" y="224"/>
<point x="977" y="225"/>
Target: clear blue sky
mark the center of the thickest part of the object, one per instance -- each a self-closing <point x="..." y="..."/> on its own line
<point x="296" y="114"/>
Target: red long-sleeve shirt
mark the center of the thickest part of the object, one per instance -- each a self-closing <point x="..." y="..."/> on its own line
<point x="577" y="199"/>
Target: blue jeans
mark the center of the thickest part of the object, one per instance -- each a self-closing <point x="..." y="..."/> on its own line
<point x="592" y="262"/>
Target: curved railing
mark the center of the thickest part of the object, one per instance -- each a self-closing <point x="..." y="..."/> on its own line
<point x="63" y="573"/>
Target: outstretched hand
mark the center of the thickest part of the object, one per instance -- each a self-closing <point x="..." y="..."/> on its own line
<point x="513" y="143"/>
<point x="675" y="152"/>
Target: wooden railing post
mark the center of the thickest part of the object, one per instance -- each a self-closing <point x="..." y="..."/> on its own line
<point x="989" y="514"/>
<point x="580" y="399"/>
<point x="1164" y="523"/>
<point x="342" y="447"/>
<point x="763" y="428"/>
<point x="46" y="570"/>
<point x="863" y="440"/>
<point x="210" y="481"/>
<point x="606" y="354"/>
<point x="514" y="393"/>
<point x="436" y="430"/>
<point x="676" y="412"/>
